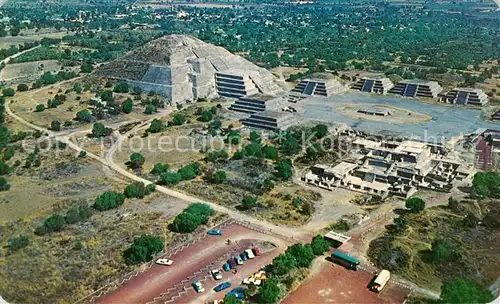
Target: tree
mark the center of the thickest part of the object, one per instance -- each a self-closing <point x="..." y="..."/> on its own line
<point x="255" y="137"/>
<point x="150" y="109"/>
<point x="138" y="190"/>
<point x="186" y="222"/>
<point x="142" y="249"/>
<point x="191" y="217"/>
<point x="127" y="106"/>
<point x="84" y="116"/>
<point x="4" y="168"/>
<point x="22" y="87"/>
<point x="40" y="108"/>
<point x="216" y="156"/>
<point x="206" y="116"/>
<point x="270" y="291"/>
<point x="107" y="96"/>
<point x="319" y="245"/>
<point x="8" y="92"/>
<point x="314" y="151"/>
<point x="415" y="204"/>
<point x="16" y="243"/>
<point x="179" y="119"/>
<point x="219" y="177"/>
<point x="122" y="87"/>
<point x="55" y="125"/>
<point x="443" y="251"/>
<point x="109" y="200"/>
<point x="99" y="130"/>
<point x="136" y="161"/>
<point x="156" y="126"/>
<point x="159" y="168"/>
<point x="249" y="202"/>
<point x="232" y="300"/>
<point x="4" y="184"/>
<point x="233" y="137"/>
<point x="284" y="169"/>
<point x="86" y="68"/>
<point x="283" y="264"/>
<point x="4" y="136"/>
<point x="54" y="222"/>
<point x="289" y="145"/>
<point x="486" y="184"/>
<point x="253" y="149"/>
<point x="270" y="152"/>
<point x="137" y="90"/>
<point x="320" y="131"/>
<point x="190" y="171"/>
<point x="464" y="291"/>
<point x="303" y="254"/>
<point x="170" y="178"/>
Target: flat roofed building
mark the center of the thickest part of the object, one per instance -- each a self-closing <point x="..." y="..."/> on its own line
<point x="379" y="84"/>
<point x="466" y="96"/>
<point x="417" y="88"/>
<point x="270" y="120"/>
<point x="251" y="104"/>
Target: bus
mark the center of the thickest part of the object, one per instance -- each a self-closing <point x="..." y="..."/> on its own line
<point x="381" y="280"/>
<point x="344" y="260"/>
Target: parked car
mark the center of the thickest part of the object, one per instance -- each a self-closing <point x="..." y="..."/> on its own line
<point x="222" y="286"/>
<point x="214" y="232"/>
<point x="226" y="267"/>
<point x="256" y="251"/>
<point x="238" y="260"/>
<point x="198" y="287"/>
<point x="238" y="292"/>
<point x="216" y="274"/>
<point x="232" y="263"/>
<point x="250" y="254"/>
<point x="165" y="262"/>
<point x="243" y="256"/>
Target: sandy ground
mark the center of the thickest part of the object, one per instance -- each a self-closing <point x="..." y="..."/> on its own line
<point x="398" y="115"/>
<point x="29" y="69"/>
<point x="335" y="284"/>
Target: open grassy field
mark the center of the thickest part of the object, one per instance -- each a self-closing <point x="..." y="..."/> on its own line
<point x="30" y="36"/>
<point x="29" y="70"/>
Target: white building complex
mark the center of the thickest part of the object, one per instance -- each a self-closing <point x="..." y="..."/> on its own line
<point x="466" y="96"/>
<point x="380" y="85"/>
<point x="417" y="88"/>
<point x="383" y="168"/>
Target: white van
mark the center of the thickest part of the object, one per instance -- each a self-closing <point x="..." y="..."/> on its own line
<point x="249" y="254"/>
<point x="381" y="280"/>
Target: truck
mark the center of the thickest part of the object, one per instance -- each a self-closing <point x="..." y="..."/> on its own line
<point x="381" y="280"/>
<point x="344" y="260"/>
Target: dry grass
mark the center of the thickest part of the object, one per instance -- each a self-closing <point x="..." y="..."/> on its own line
<point x="29" y="69"/>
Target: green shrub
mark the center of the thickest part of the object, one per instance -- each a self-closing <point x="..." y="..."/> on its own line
<point x="319" y="245"/>
<point x="137" y="190"/>
<point x="248" y="202"/>
<point x="170" y="178"/>
<point x="159" y="168"/>
<point x="192" y="217"/>
<point x="16" y="243"/>
<point x="415" y="204"/>
<point x="109" y="200"/>
<point x="54" y="222"/>
<point x="8" y="92"/>
<point x="142" y="249"/>
<point x="40" y="108"/>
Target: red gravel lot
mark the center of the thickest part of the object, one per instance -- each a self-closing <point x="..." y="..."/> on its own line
<point x="335" y="284"/>
<point x="191" y="263"/>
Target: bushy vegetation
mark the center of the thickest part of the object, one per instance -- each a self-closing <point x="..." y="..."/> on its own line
<point x="486" y="184"/>
<point x="415" y="204"/>
<point x="159" y="168"/>
<point x="138" y="190"/>
<point x="18" y="242"/>
<point x="142" y="249"/>
<point x="99" y="130"/>
<point x="193" y="216"/>
<point x="190" y="171"/>
<point x="135" y="161"/>
<point x="109" y="200"/>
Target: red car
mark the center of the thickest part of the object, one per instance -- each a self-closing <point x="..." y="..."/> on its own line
<point x="256" y="251"/>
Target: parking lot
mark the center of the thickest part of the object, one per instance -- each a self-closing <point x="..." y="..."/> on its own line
<point x="172" y="284"/>
<point x="331" y="283"/>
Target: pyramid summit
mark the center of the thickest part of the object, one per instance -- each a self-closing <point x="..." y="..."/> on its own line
<point x="185" y="68"/>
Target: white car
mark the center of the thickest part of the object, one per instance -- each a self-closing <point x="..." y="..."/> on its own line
<point x="216" y="274"/>
<point x="165" y="262"/>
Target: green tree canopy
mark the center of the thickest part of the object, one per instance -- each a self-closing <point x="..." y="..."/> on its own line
<point x="486" y="184"/>
<point x="206" y="116"/>
<point x="415" y="204"/>
<point x="142" y="249"/>
<point x="8" y="92"/>
<point x="284" y="169"/>
<point x="270" y="291"/>
<point x="464" y="291"/>
<point x="159" y="168"/>
<point x="127" y="106"/>
<point x="121" y="87"/>
<point x="319" y="245"/>
<point x="99" y="130"/>
<point x="249" y="202"/>
<point x="109" y="200"/>
<point x="179" y="119"/>
<point x="136" y="161"/>
<point x="170" y="178"/>
<point x="84" y="116"/>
